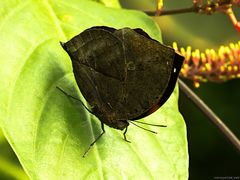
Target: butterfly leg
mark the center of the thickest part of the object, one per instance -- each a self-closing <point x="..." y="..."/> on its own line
<point x="75" y="99"/>
<point x="103" y="131"/>
<point x="124" y="135"/>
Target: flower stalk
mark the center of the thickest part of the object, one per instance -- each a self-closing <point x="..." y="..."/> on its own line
<point x="209" y="8"/>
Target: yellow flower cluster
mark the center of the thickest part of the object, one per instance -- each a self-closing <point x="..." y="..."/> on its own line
<point x="211" y="65"/>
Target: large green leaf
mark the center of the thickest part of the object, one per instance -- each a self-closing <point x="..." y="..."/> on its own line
<point x="50" y="132"/>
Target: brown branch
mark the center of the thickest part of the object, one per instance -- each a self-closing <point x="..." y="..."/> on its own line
<point x="197" y="8"/>
<point x="174" y="11"/>
<point x="210" y="114"/>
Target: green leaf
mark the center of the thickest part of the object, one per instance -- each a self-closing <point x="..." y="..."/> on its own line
<point x="50" y="132"/>
<point x="110" y="3"/>
<point x="9" y="166"/>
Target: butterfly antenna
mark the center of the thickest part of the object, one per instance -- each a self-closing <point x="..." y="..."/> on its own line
<point x="158" y="125"/>
<point x="75" y="99"/>
<point x="143" y="128"/>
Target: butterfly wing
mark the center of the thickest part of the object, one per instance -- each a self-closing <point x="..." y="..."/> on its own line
<point x="123" y="74"/>
<point x="99" y="70"/>
<point x="152" y="71"/>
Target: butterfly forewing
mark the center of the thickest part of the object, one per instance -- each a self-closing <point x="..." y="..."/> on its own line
<point x="123" y="74"/>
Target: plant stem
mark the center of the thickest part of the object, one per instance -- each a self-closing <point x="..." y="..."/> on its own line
<point x="210" y="114"/>
<point x="174" y="11"/>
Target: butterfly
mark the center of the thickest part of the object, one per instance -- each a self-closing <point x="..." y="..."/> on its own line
<point x="123" y="74"/>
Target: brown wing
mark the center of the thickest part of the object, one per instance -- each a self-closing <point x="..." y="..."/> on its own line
<point x="150" y="66"/>
<point x="177" y="64"/>
<point x="97" y="58"/>
<point x="122" y="73"/>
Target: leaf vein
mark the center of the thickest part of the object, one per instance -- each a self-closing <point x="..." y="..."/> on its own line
<point x="55" y="19"/>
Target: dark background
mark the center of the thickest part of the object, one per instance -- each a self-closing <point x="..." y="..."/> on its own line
<point x="210" y="154"/>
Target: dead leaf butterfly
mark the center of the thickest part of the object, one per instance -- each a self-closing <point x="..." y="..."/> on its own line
<point x="123" y="74"/>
